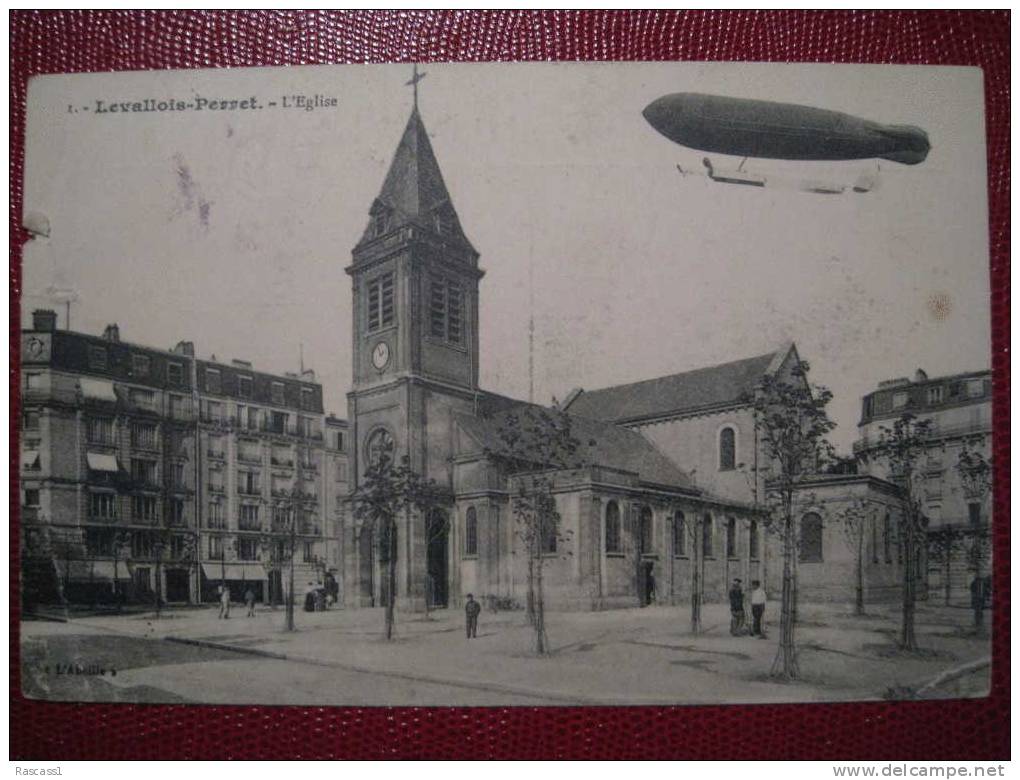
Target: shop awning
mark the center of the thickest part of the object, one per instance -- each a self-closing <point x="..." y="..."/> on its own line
<point x="30" y="459"/>
<point x="97" y="389"/>
<point x="252" y="572"/>
<point x="99" y="461"/>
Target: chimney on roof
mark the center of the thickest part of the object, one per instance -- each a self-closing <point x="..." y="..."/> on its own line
<point x="920" y="375"/>
<point x="44" y="319"/>
<point x="112" y="332"/>
<point x="185" y="348"/>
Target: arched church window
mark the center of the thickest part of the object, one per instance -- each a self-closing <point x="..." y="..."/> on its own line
<point x="731" y="537"/>
<point x="379" y="446"/>
<point x="549" y="536"/>
<point x="471" y="532"/>
<point x="727" y="449"/>
<point x="707" y="543"/>
<point x="613" y="528"/>
<point x="874" y="539"/>
<point x="811" y="538"/>
<point x="645" y="531"/>
<point x="679" y="535"/>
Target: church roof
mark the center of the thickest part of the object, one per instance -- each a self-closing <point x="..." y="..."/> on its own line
<point x="414" y="191"/>
<point x="703" y="388"/>
<point x="602" y="443"/>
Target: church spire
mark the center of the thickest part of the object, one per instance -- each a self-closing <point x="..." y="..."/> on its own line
<point x="413" y="192"/>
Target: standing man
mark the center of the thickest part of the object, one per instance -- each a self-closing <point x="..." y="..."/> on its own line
<point x="249" y="600"/>
<point x="736" y="609"/>
<point x="224" y="602"/>
<point x="758" y="599"/>
<point x="471" y="610"/>
<point x="977" y="602"/>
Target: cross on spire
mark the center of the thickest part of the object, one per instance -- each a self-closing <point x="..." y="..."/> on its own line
<point x="413" y="83"/>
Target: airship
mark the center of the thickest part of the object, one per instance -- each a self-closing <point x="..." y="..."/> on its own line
<point x="780" y="131"/>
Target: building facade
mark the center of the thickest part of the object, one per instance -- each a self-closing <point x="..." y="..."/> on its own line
<point x="108" y="468"/>
<point x="957" y="509"/>
<point x="148" y="472"/>
<point x="704" y="421"/>
<point x="262" y="481"/>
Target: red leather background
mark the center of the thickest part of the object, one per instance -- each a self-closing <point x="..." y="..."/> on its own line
<point x="74" y="41"/>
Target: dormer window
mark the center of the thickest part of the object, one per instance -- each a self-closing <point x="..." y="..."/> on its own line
<point x="379" y="219"/>
<point x="442" y="220"/>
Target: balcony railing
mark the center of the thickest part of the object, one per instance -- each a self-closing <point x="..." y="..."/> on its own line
<point x="249" y="457"/>
<point x="287" y="462"/>
<point x="935" y="433"/>
<point x="246" y="490"/>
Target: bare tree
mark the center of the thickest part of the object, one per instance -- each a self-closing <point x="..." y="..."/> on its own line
<point x="975" y="472"/>
<point x="902" y="448"/>
<point x="944" y="543"/>
<point x="534" y="444"/>
<point x="121" y="541"/>
<point x="792" y="425"/>
<point x="388" y="490"/>
<point x="854" y="519"/>
<point x="693" y="531"/>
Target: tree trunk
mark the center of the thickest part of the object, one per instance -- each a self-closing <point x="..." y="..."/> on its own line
<point x="530" y="605"/>
<point x="947" y="553"/>
<point x="391" y="577"/>
<point x="696" y="559"/>
<point x="156" y="575"/>
<point x="785" y="664"/>
<point x="859" y="595"/>
<point x="116" y="582"/>
<point x="541" y="640"/>
<point x="908" y="639"/>
<point x="290" y="593"/>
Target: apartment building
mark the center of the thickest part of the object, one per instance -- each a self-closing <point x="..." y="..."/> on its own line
<point x="107" y="468"/>
<point x="146" y="471"/>
<point x="957" y="506"/>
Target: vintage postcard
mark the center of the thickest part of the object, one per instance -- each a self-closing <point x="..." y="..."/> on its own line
<point x="506" y="384"/>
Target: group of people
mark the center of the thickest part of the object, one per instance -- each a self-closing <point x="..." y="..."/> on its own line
<point x="224" y="599"/>
<point x="738" y="617"/>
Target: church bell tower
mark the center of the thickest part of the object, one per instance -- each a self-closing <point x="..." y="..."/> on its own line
<point x="415" y="279"/>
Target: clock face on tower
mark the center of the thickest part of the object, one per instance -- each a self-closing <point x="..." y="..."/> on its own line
<point x="381" y="355"/>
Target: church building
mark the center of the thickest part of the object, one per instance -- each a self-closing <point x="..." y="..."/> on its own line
<point x="659" y="492"/>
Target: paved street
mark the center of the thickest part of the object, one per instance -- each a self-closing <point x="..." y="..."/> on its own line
<point x="637" y="656"/>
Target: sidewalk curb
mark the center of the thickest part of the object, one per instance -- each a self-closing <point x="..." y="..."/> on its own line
<point x="559" y="698"/>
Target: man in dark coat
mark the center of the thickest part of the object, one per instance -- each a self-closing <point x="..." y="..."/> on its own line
<point x="977" y="602"/>
<point x="471" y="610"/>
<point x="736" y="609"/>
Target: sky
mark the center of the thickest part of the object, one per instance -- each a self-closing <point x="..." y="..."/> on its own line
<point x="232" y="228"/>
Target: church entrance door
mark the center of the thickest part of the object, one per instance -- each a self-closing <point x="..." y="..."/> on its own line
<point x="437" y="569"/>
